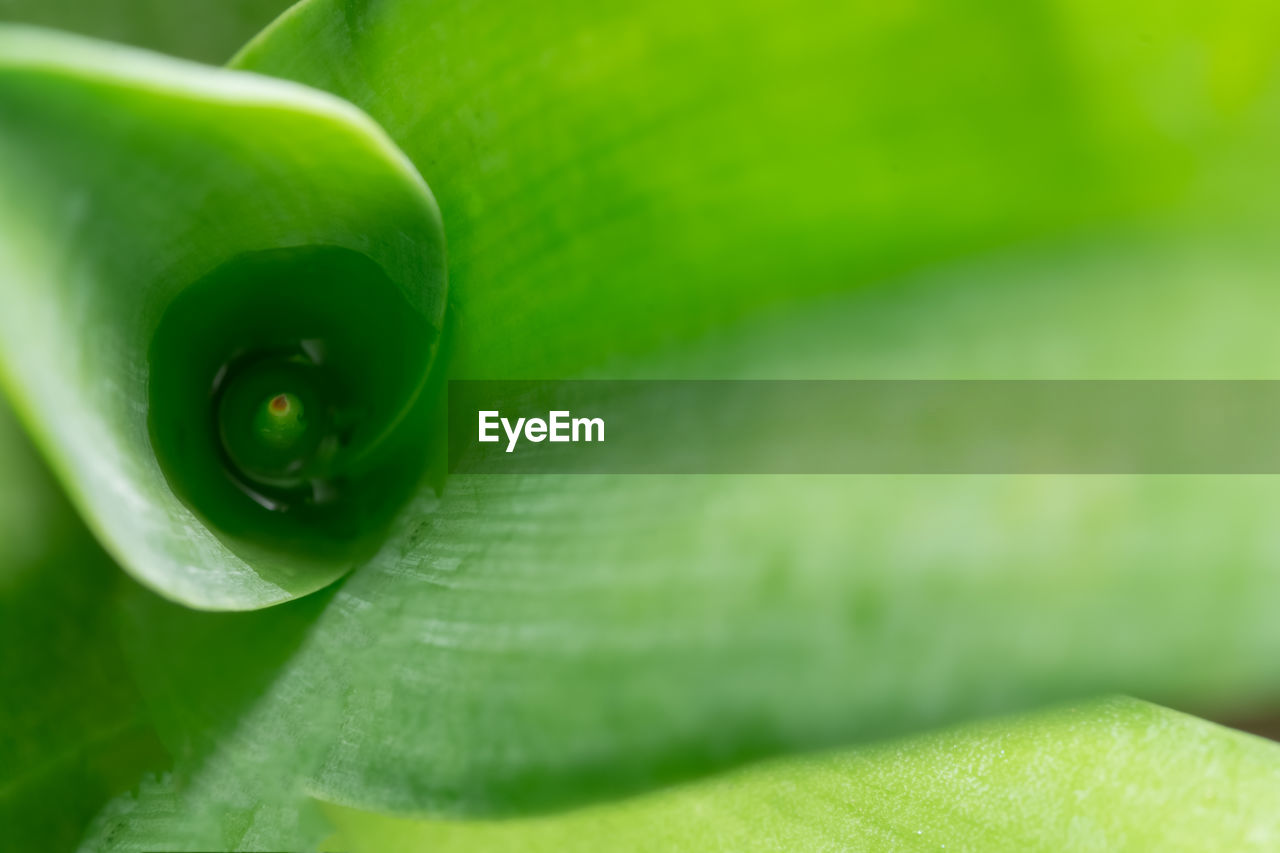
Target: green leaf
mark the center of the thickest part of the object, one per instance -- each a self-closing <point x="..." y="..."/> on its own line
<point x="620" y="179"/>
<point x="74" y="729"/>
<point x="163" y="223"/>
<point x="526" y="644"/>
<point x="613" y="189"/>
<point x="623" y="199"/>
<point x="1111" y="775"/>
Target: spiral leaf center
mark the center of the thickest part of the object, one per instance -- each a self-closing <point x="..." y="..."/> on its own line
<point x="285" y="400"/>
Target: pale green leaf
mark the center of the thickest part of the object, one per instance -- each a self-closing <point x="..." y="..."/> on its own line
<point x="1118" y="775"/>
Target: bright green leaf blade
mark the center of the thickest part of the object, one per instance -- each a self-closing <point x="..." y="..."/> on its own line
<point x="620" y="178"/>
<point x="205" y="30"/>
<point x="72" y="727"/>
<point x="1114" y="775"/>
<point x="126" y="177"/>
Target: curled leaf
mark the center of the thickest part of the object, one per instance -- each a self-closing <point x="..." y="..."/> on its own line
<point x="179" y="246"/>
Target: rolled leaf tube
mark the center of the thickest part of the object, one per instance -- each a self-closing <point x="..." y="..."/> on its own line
<point x="181" y="245"/>
<point x="283" y="390"/>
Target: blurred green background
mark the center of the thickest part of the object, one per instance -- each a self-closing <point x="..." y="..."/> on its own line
<point x="205" y="30"/>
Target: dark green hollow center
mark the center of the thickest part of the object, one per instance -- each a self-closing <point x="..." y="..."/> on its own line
<point x="286" y="402"/>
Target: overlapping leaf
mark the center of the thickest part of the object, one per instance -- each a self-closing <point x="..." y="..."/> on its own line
<point x="1115" y="775"/>
<point x="621" y="201"/>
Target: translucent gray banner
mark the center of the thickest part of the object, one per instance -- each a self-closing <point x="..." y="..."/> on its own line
<point x="865" y="427"/>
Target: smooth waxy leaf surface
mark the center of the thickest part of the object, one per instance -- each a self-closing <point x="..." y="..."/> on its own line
<point x="620" y="178"/>
<point x="1117" y="774"/>
<point x="128" y="181"/>
<point x="1114" y="775"/>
